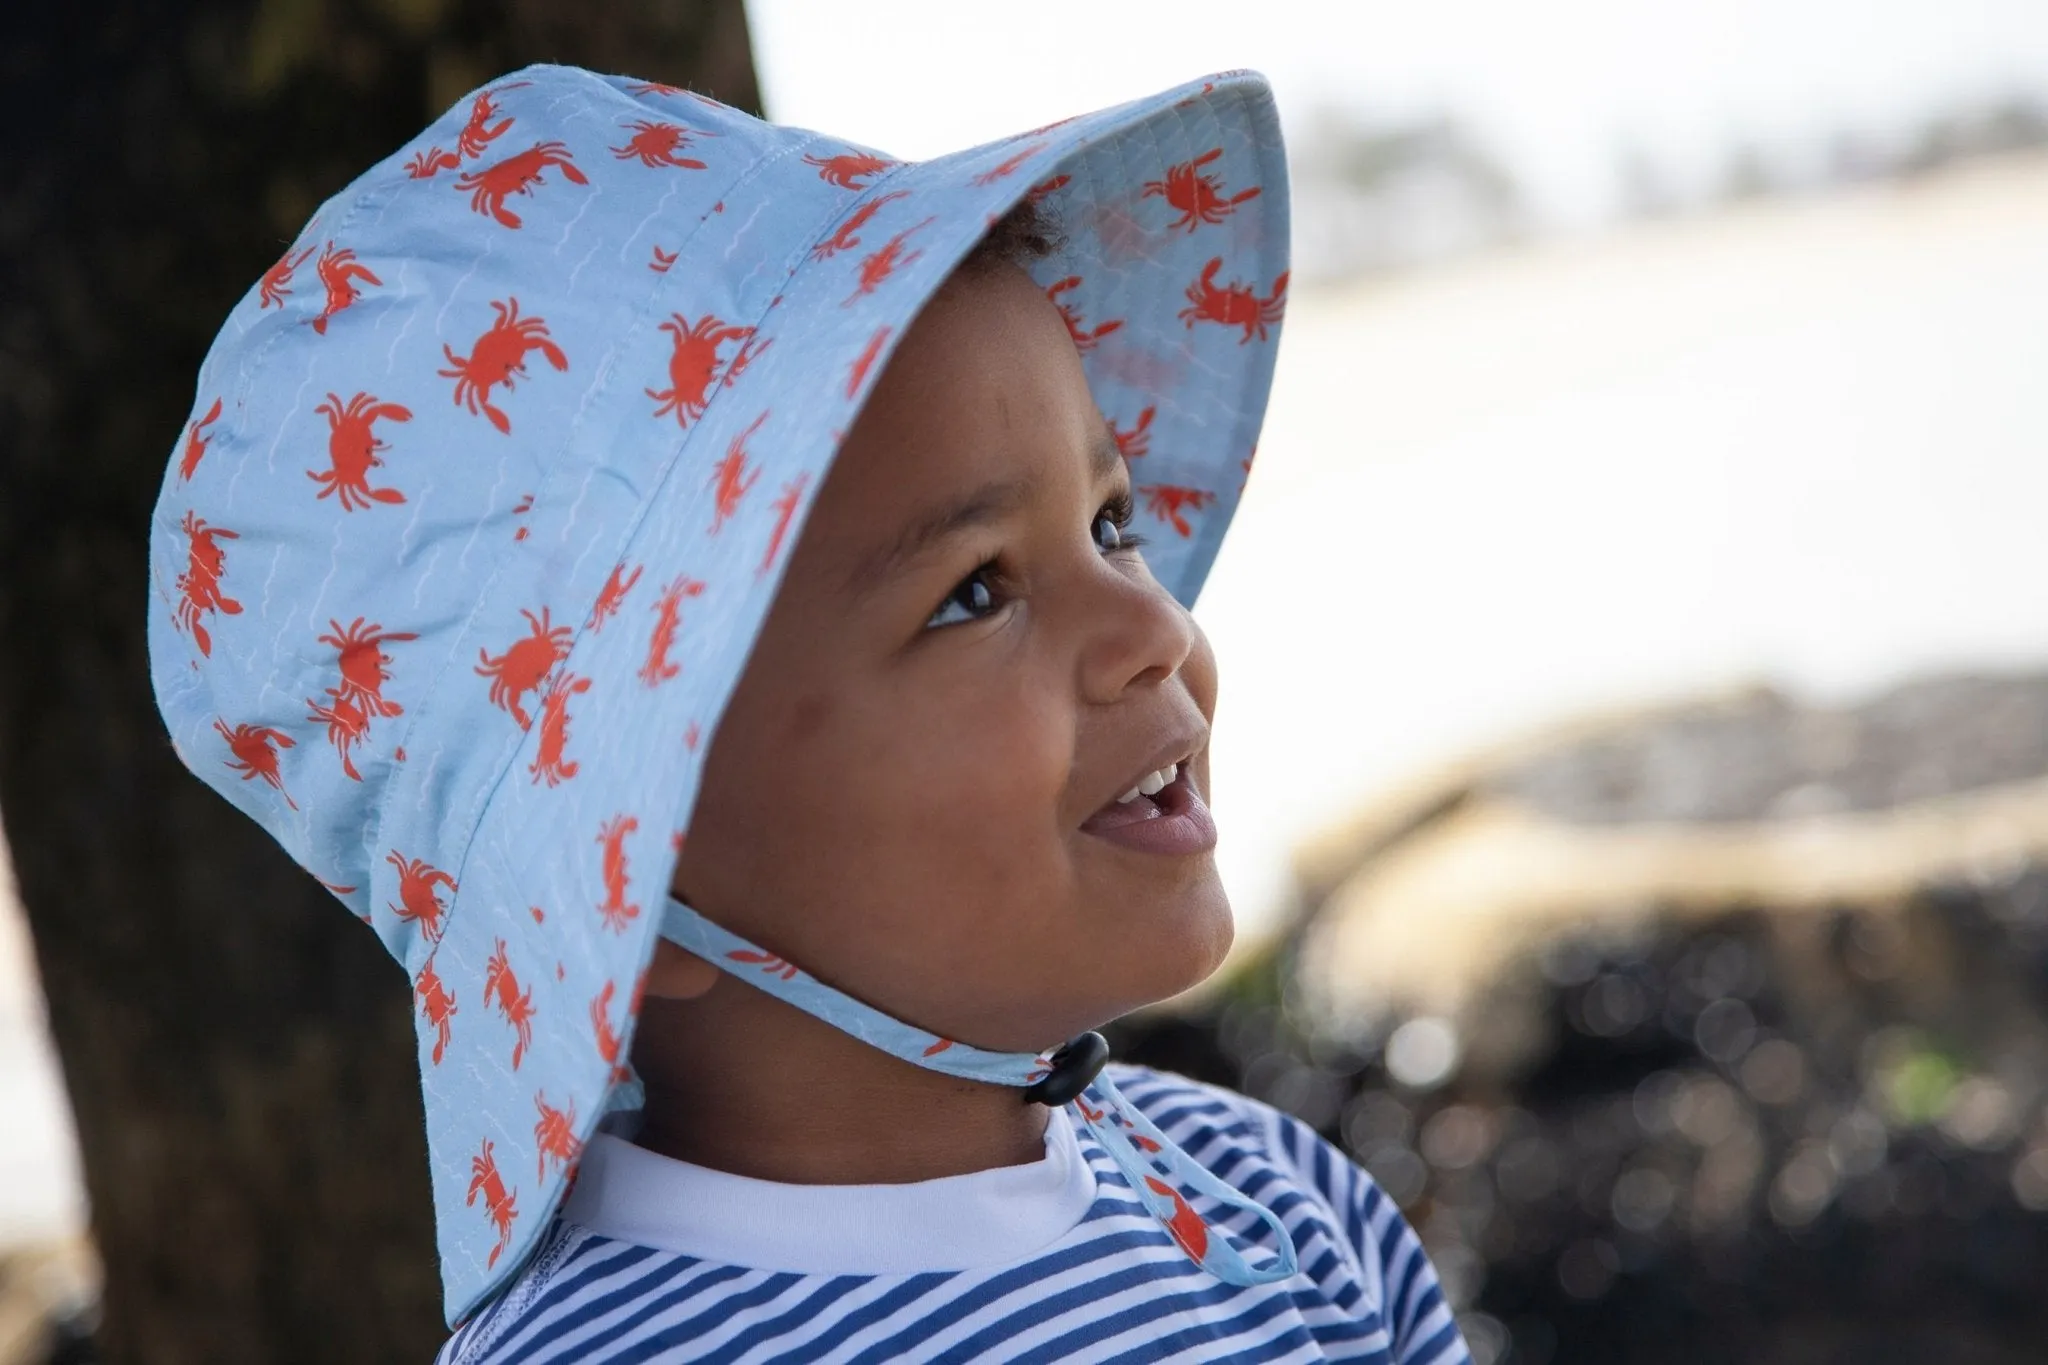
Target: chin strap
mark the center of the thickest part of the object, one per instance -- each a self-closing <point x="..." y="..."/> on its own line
<point x="1157" y="1169"/>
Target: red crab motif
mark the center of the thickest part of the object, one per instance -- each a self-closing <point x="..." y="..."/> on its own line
<point x="515" y="1005"/>
<point x="554" y="1136"/>
<point x="609" y="1045"/>
<point x="480" y="132"/>
<point x="523" y="666"/>
<point x="1008" y="164"/>
<point x="196" y="443"/>
<point x="1138" y="440"/>
<point x="436" y="1004"/>
<point x="693" y="364"/>
<point x="1047" y="187"/>
<point x="848" y="170"/>
<point x="276" y="281"/>
<point x="339" y="271"/>
<point x="1235" y="305"/>
<point x="517" y="174"/>
<point x="418" y="899"/>
<point x="554" y="729"/>
<point x="1084" y="338"/>
<point x="752" y="349"/>
<point x="785" y="509"/>
<point x="364" y="664"/>
<point x="848" y="234"/>
<point x="727" y="479"/>
<point x="498" y="357"/>
<point x="255" y="753"/>
<point x="769" y="963"/>
<point x="857" y="372"/>
<point x="430" y="163"/>
<point x="655" y="145"/>
<point x="199" y="586"/>
<point x="1186" y="1225"/>
<point x="616" y="911"/>
<point x="668" y="613"/>
<point x="613" y="595"/>
<point x="1166" y="501"/>
<point x="502" y="1206"/>
<point x="347" y="726"/>
<point x="879" y="265"/>
<point x="1198" y="197"/>
<point x="662" y="260"/>
<point x="352" y="447"/>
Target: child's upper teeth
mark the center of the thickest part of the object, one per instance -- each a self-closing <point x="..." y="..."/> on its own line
<point x="1153" y="784"/>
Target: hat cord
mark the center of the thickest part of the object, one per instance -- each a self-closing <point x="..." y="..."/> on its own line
<point x="1155" y="1166"/>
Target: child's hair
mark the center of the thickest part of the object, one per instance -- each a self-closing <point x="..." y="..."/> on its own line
<point x="1025" y="234"/>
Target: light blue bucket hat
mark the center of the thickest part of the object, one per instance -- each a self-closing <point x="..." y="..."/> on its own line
<point x="491" y="479"/>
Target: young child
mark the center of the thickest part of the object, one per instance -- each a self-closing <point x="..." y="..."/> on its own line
<point x="678" y="579"/>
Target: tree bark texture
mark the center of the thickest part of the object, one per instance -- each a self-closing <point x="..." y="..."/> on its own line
<point x="238" y="1050"/>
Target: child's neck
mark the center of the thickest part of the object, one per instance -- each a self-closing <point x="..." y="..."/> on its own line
<point x="739" y="1082"/>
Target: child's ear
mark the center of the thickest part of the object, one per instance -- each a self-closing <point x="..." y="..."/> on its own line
<point x="677" y="973"/>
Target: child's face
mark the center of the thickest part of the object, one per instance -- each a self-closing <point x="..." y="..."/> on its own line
<point x="895" y="797"/>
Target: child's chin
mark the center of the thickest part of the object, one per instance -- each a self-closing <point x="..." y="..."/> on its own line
<point x="1187" y="950"/>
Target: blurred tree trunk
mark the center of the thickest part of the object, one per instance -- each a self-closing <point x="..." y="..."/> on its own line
<point x="238" y="1050"/>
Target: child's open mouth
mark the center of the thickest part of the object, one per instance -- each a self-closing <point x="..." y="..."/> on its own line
<point x="1170" y="818"/>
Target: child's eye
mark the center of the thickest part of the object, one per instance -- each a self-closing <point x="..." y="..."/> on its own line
<point x="973" y="596"/>
<point x="1112" y="525"/>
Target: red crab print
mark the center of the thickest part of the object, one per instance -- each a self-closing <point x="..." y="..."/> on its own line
<point x="1198" y="197"/>
<point x="1008" y="164"/>
<point x="615" y="909"/>
<point x="1084" y="338"/>
<point x="520" y="509"/>
<point x="517" y="174"/>
<point x="668" y="613"/>
<point x="430" y="163"/>
<point x="352" y="447"/>
<point x="339" y="271"/>
<point x="196" y="442"/>
<point x="662" y="260"/>
<point x="693" y="364"/>
<point x="1235" y="305"/>
<point x="655" y="145"/>
<point x="848" y="170"/>
<point x="613" y="595"/>
<point x="1047" y="187"/>
<point x="1134" y="443"/>
<point x="437" y="1005"/>
<point x="1186" y="1225"/>
<point x="275" y="285"/>
<point x="848" y="234"/>
<point x="768" y="962"/>
<point x="554" y="1136"/>
<point x="879" y="265"/>
<point x="554" y="729"/>
<point x="727" y="480"/>
<point x="938" y="1045"/>
<point x="1166" y="501"/>
<point x="498" y="357"/>
<point x="515" y="1005"/>
<point x="364" y="664"/>
<point x="752" y="349"/>
<point x="501" y="1205"/>
<point x="419" y="901"/>
<point x="480" y="132"/>
<point x="346" y="725"/>
<point x="857" y="372"/>
<point x="609" y="1045"/>
<point x="785" y="509"/>
<point x="255" y="753"/>
<point x="525" y="663"/>
<point x="199" y="586"/>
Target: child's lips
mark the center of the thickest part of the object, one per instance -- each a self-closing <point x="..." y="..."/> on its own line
<point x="1175" y="821"/>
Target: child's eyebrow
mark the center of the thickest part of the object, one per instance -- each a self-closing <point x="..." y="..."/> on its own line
<point x="990" y="502"/>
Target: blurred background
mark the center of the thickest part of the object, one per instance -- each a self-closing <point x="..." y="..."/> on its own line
<point x="1632" y="762"/>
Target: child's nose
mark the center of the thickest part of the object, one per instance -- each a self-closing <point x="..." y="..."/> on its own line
<point x="1137" y="634"/>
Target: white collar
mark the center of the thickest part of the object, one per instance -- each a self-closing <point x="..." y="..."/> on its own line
<point x="956" y="1222"/>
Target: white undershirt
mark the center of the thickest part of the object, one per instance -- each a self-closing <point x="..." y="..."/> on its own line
<point x="956" y="1222"/>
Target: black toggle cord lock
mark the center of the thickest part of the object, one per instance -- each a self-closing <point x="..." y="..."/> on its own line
<point x="1077" y="1062"/>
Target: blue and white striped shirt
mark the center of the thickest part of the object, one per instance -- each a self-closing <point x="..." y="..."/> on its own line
<point x="654" y="1260"/>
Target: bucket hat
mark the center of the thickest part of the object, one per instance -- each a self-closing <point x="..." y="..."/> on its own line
<point x="490" y="480"/>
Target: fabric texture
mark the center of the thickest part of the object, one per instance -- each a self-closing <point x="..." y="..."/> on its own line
<point x="1113" y="1288"/>
<point x="491" y="478"/>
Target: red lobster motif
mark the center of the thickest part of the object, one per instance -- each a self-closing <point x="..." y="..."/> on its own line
<point x="848" y="234"/>
<point x="655" y="145"/>
<point x="254" y="754"/>
<point x="668" y="612"/>
<point x="1138" y="440"/>
<point x="1197" y="196"/>
<point x="499" y="356"/>
<point x="613" y="595"/>
<point x="858" y="371"/>
<point x="195" y="443"/>
<point x="554" y="729"/>
<point x="502" y="1206"/>
<point x="615" y="909"/>
<point x="436" y="1004"/>
<point x="1009" y="164"/>
<point x="517" y="174"/>
<point x="480" y="132"/>
<point x="339" y="271"/>
<point x="1084" y="339"/>
<point x="785" y="509"/>
<point x="848" y="170"/>
<point x="523" y="666"/>
<point x="693" y="364"/>
<point x="1235" y="305"/>
<point x="352" y="448"/>
<point x="555" y="1135"/>
<point x="199" y="586"/>
<point x="879" y="265"/>
<point x="726" y="478"/>
<point x="276" y="281"/>
<point x="1166" y="500"/>
<point x="419" y="902"/>
<point x="515" y="1005"/>
<point x="364" y="664"/>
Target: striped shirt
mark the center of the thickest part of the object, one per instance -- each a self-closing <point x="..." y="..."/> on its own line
<point x="655" y="1260"/>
